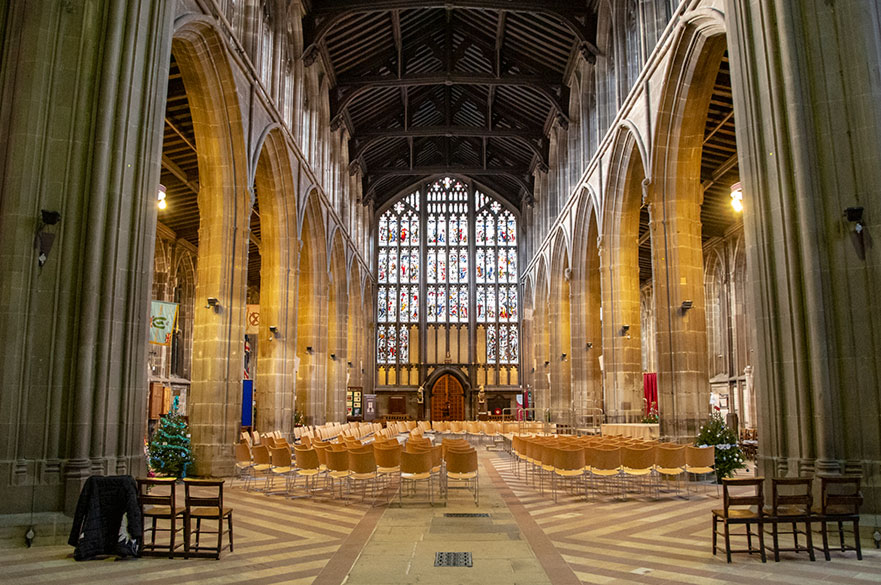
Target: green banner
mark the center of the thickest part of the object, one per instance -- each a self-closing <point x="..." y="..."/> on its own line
<point x="163" y="317"/>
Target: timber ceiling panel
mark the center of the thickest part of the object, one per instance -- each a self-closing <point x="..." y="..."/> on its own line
<point x="462" y="86"/>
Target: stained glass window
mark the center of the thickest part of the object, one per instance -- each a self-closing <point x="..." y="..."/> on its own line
<point x="451" y="216"/>
<point x="497" y="298"/>
<point x="398" y="268"/>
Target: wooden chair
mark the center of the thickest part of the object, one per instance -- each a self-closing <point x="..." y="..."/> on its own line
<point x="156" y="497"/>
<point x="701" y="461"/>
<point x="670" y="463"/>
<point x="736" y="510"/>
<point x="791" y="504"/>
<point x="362" y="467"/>
<point x="638" y="463"/>
<point x="308" y="467"/>
<point x="568" y="465"/>
<point x="604" y="466"/>
<point x="262" y="463"/>
<point x="415" y="468"/>
<point x="337" y="469"/>
<point x="204" y="501"/>
<point x="840" y="501"/>
<point x="244" y="465"/>
<point x="462" y="470"/>
<point x="280" y="457"/>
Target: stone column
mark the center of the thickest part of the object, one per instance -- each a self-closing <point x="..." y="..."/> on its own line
<point x="622" y="350"/>
<point x="677" y="278"/>
<point x="81" y="120"/>
<point x="808" y="135"/>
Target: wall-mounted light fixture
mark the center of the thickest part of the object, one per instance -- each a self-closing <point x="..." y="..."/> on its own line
<point x="686" y="305"/>
<point x="275" y="332"/>
<point x="333" y="356"/>
<point x="348" y="364"/>
<point x="855" y="216"/>
<point x="213" y="303"/>
<point x="547" y="363"/>
<point x="737" y="197"/>
<point x="44" y="240"/>
<point x="309" y="349"/>
<point x="588" y="345"/>
<point x="563" y="357"/>
<point x="161" y="195"/>
<point x="625" y="329"/>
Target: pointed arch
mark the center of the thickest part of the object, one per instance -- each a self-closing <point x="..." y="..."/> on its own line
<point x="224" y="207"/>
<point x="275" y="189"/>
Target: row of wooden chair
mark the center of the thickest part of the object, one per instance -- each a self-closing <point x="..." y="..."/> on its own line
<point x="613" y="463"/>
<point x="381" y="465"/>
<point x="203" y="501"/>
<point x="743" y="503"/>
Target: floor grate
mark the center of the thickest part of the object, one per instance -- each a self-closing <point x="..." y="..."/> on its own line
<point x="465" y="515"/>
<point x="452" y="559"/>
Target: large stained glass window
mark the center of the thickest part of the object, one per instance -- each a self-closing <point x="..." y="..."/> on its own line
<point x="496" y="276"/>
<point x="469" y="278"/>
<point x="398" y="268"/>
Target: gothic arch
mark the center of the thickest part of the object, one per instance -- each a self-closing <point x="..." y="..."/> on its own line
<point x="224" y="209"/>
<point x="275" y="189"/>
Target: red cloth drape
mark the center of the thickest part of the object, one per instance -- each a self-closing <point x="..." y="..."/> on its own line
<point x="650" y="390"/>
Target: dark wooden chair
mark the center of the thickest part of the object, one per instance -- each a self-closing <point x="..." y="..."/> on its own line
<point x="791" y="502"/>
<point x="157" y="499"/>
<point x="840" y="501"/>
<point x="204" y="501"/>
<point x="737" y="509"/>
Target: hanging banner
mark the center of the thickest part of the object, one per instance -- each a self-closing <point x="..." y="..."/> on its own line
<point x="253" y="324"/>
<point x="163" y="318"/>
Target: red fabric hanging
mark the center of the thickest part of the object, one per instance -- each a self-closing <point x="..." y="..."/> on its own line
<point x="650" y="390"/>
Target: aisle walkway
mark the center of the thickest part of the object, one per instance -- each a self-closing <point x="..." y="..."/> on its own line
<point x="525" y="539"/>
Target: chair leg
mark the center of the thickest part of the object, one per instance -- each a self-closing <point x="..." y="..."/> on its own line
<point x="715" y="522"/>
<point x="809" y="538"/>
<point x="171" y="537"/>
<point x="825" y="532"/>
<point x="219" y="536"/>
<point x="727" y="542"/>
<point x="776" y="544"/>
<point x="186" y="536"/>
<point x="856" y="538"/>
<point x="841" y="534"/>
<point x="230" y="531"/>
<point x="762" y="541"/>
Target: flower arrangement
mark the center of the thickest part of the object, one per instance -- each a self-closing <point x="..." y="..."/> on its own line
<point x="299" y="419"/>
<point x="728" y="455"/>
<point x="651" y="413"/>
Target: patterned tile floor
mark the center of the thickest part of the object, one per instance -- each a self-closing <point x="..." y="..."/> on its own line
<point x="527" y="539"/>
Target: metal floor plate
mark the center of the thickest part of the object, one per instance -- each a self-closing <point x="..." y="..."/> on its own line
<point x="452" y="559"/>
<point x="465" y="515"/>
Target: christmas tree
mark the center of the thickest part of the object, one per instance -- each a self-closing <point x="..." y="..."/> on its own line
<point x="169" y="452"/>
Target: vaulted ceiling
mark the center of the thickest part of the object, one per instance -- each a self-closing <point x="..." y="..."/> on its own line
<point x="434" y="86"/>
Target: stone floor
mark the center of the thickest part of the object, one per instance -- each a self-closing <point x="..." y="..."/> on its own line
<point x="526" y="538"/>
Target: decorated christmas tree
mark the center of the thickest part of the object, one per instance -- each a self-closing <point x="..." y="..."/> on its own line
<point x="728" y="455"/>
<point x="169" y="451"/>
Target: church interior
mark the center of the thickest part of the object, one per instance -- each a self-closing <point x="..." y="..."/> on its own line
<point x="514" y="236"/>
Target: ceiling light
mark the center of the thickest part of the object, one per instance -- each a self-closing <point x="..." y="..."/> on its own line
<point x="161" y="194"/>
<point x="737" y="197"/>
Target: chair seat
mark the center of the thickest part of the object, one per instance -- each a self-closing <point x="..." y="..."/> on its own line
<point x="281" y="470"/>
<point x="604" y="472"/>
<point x="161" y="511"/>
<point x="308" y="471"/>
<point x="209" y="512"/>
<point x="462" y="476"/>
<point x="388" y="469"/>
<point x="789" y="511"/>
<point x="700" y="470"/>
<point x="339" y="474"/>
<point x="423" y="475"/>
<point x="669" y="470"/>
<point x="367" y="475"/>
<point x="261" y="467"/>
<point x="569" y="472"/>
<point x="737" y="514"/>
<point x="836" y="511"/>
<point x="639" y="472"/>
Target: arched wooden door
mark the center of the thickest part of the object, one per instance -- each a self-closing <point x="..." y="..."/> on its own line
<point x="447" y="399"/>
